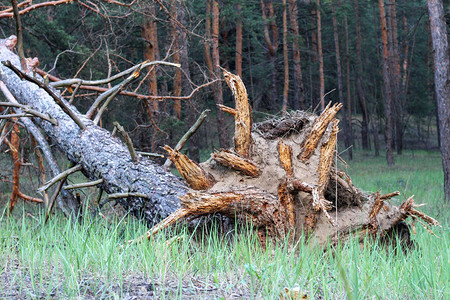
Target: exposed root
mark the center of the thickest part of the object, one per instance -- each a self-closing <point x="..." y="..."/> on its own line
<point x="429" y="220"/>
<point x="236" y="162"/>
<point x="227" y="109"/>
<point x="317" y="130"/>
<point x="195" y="176"/>
<point x="280" y="194"/>
<point x="247" y="204"/>
<point x="389" y="195"/>
<point x="287" y="201"/>
<point x="299" y="186"/>
<point x="327" y="152"/>
<point x="376" y="207"/>
<point x="321" y="204"/>
<point x="243" y="115"/>
<point x="285" y="154"/>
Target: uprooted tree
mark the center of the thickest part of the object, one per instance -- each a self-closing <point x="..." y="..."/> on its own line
<point x="281" y="175"/>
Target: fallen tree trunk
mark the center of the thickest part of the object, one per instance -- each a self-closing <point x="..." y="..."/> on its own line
<point x="281" y="174"/>
<point x="100" y="154"/>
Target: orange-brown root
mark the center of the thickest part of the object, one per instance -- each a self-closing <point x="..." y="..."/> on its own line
<point x="195" y="176"/>
<point x="236" y="162"/>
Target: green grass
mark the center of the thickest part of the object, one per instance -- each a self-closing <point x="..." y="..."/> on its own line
<point x="61" y="259"/>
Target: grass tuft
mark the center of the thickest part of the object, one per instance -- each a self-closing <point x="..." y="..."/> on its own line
<point x="61" y="259"/>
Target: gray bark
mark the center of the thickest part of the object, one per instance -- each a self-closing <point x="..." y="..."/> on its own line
<point x="100" y="154"/>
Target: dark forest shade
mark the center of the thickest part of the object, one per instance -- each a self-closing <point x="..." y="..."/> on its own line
<point x="248" y="38"/>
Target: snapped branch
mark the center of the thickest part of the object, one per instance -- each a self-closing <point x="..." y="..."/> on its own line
<point x="7" y="14"/>
<point x="69" y="82"/>
<point x="58" y="101"/>
<point x="27" y="111"/>
<point x="187" y="135"/>
<point x="59" y="177"/>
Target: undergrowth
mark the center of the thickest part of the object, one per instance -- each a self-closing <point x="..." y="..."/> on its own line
<point x="90" y="259"/>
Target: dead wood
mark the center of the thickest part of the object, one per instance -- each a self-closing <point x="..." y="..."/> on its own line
<point x="318" y="129"/>
<point x="194" y="175"/>
<point x="188" y="134"/>
<point x="285" y="153"/>
<point x="58" y="101"/>
<point x="236" y="162"/>
<point x="286" y="200"/>
<point x="100" y="154"/>
<point x="243" y="116"/>
<point x="308" y="195"/>
<point x="327" y="151"/>
<point x="127" y="140"/>
<point x="249" y="204"/>
<point x="285" y="197"/>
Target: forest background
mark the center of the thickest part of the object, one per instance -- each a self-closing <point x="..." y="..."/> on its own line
<point x="294" y="55"/>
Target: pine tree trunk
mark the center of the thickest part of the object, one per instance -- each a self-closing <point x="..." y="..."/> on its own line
<point x="218" y="91"/>
<point x="176" y="59"/>
<point x="441" y="82"/>
<point x="208" y="59"/>
<point x="395" y="76"/>
<point x="359" y="82"/>
<point x="238" y="63"/>
<point x="151" y="50"/>
<point x="320" y="54"/>
<point x="272" y="46"/>
<point x="389" y="128"/>
<point x="285" y="60"/>
<point x="101" y="155"/>
<point x="349" y="134"/>
<point x="299" y="97"/>
<point x="339" y="71"/>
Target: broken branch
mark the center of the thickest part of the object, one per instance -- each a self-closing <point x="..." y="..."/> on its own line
<point x="52" y="200"/>
<point x="59" y="177"/>
<point x="69" y="82"/>
<point x="187" y="135"/>
<point x="83" y="185"/>
<point x="34" y="6"/>
<point x="127" y="140"/>
<point x="12" y="116"/>
<point x="148" y="153"/>
<point x="126" y="195"/>
<point x="58" y="101"/>
<point x="25" y="109"/>
<point x="125" y="93"/>
<point x="109" y="95"/>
